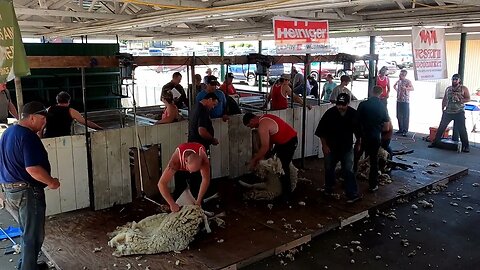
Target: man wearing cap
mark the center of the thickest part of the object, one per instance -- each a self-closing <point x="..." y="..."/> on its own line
<point x="453" y="105"/>
<point x="200" y="127"/>
<point x="6" y="104"/>
<point x="272" y="130"/>
<point x="24" y="173"/>
<point x="374" y="120"/>
<point x="336" y="130"/>
<point x="227" y="86"/>
<point x="61" y="116"/>
<point x="279" y="94"/>
<point x="179" y="95"/>
<point x="219" y="111"/>
<point x="342" y="88"/>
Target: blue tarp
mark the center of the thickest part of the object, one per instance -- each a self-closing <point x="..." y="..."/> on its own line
<point x="11" y="231"/>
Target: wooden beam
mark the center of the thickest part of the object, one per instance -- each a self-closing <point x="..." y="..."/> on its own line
<point x="400" y="4"/>
<point x="440" y="2"/>
<point x="61" y="13"/>
<point x="71" y="61"/>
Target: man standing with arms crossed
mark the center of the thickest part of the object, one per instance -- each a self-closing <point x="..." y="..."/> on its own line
<point x="24" y="173"/>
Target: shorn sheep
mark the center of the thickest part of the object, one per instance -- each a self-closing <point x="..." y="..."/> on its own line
<point x="269" y="171"/>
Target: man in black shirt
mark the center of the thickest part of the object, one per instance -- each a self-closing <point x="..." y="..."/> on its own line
<point x="336" y="130"/>
<point x="179" y="96"/>
<point x="374" y="120"/>
<point x="200" y="128"/>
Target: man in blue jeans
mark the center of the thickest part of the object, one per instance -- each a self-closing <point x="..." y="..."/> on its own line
<point x="336" y="130"/>
<point x="24" y="173"/>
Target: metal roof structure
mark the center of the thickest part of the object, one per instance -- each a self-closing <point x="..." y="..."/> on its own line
<point x="222" y="20"/>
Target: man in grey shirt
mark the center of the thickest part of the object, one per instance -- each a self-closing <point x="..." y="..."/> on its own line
<point x="6" y="104"/>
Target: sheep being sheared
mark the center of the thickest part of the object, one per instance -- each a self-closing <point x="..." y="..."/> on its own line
<point x="159" y="233"/>
<point x="364" y="167"/>
<point x="269" y="171"/>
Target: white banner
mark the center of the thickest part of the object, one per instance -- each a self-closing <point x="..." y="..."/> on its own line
<point x="429" y="53"/>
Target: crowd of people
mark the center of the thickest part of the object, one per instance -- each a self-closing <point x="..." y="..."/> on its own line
<point x="25" y="169"/>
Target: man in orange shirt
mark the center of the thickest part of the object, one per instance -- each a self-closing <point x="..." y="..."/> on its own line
<point x="227" y="86"/>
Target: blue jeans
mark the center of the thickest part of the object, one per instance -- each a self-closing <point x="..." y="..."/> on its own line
<point x="29" y="202"/>
<point x="346" y="159"/>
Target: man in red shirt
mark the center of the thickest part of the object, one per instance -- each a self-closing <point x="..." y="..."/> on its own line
<point x="185" y="163"/>
<point x="227" y="86"/>
<point x="280" y="92"/>
<point x="272" y="130"/>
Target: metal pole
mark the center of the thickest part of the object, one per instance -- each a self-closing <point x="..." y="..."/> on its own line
<point x="260" y="77"/>
<point x="461" y="59"/>
<point x="306" y="71"/>
<point x="222" y="66"/>
<point x="319" y="81"/>
<point x="19" y="95"/>
<point x="371" y="67"/>
<point x="191" y="99"/>
<point x="88" y="143"/>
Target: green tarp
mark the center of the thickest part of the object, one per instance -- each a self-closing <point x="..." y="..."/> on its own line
<point x="13" y="60"/>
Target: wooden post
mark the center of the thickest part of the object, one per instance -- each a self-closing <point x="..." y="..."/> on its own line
<point x="19" y="95"/>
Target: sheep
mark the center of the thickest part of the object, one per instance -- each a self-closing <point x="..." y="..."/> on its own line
<point x="364" y="167"/>
<point x="160" y="233"/>
<point x="269" y="171"/>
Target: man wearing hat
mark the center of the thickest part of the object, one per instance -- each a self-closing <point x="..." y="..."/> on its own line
<point x="280" y="92"/>
<point x="6" y="104"/>
<point x="453" y="105"/>
<point x="24" y="173"/>
<point x="227" y="86"/>
<point x="219" y="111"/>
<point x="336" y="130"/>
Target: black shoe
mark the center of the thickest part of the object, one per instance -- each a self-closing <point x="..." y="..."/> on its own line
<point x="398" y="132"/>
<point x="354" y="199"/>
<point x="432" y="145"/>
<point x="466" y="149"/>
<point x="42" y="266"/>
<point x="373" y="189"/>
<point x="404" y="134"/>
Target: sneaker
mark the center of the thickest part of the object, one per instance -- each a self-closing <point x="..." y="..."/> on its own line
<point x="373" y="189"/>
<point x="404" y="134"/>
<point x="398" y="132"/>
<point x="354" y="199"/>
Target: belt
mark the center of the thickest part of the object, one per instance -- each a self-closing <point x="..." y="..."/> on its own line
<point x="15" y="185"/>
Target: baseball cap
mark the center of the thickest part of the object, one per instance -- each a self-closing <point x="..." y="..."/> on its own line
<point x="343" y="99"/>
<point x="229" y="75"/>
<point x="456" y="77"/>
<point x="212" y="80"/>
<point x="34" y="107"/>
<point x="286" y="76"/>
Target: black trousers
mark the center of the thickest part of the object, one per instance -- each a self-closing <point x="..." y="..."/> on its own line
<point x="459" y="128"/>
<point x="183" y="179"/>
<point x="285" y="154"/>
<point x="371" y="150"/>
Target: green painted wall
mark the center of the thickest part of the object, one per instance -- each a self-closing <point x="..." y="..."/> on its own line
<point x="44" y="84"/>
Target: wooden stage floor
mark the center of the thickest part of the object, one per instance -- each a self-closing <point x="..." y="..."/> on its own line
<point x="71" y="238"/>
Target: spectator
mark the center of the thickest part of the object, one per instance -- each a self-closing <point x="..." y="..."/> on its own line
<point x="280" y="92"/>
<point x="200" y="127"/>
<point x="227" y="87"/>
<point x="6" y="104"/>
<point x="170" y="113"/>
<point x="313" y="86"/>
<point x="179" y="96"/>
<point x="298" y="82"/>
<point x="328" y="88"/>
<point x="453" y="104"/>
<point x="342" y="88"/>
<point x="219" y="111"/>
<point x="403" y="87"/>
<point x="384" y="83"/>
<point x="60" y="118"/>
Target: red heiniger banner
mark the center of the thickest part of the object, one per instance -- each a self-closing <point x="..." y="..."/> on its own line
<point x="300" y="36"/>
<point x="429" y="53"/>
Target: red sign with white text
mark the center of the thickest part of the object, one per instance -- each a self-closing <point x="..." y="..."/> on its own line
<point x="294" y="36"/>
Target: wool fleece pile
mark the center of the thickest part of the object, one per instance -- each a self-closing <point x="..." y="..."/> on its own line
<point x="160" y="233"/>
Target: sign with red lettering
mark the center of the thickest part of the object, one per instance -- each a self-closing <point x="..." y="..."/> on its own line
<point x="300" y="36"/>
<point x="429" y="53"/>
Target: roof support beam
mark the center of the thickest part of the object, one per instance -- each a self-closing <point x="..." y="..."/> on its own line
<point x="61" y="13"/>
<point x="400" y="4"/>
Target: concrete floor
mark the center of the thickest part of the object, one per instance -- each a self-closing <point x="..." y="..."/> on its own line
<point x="447" y="237"/>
